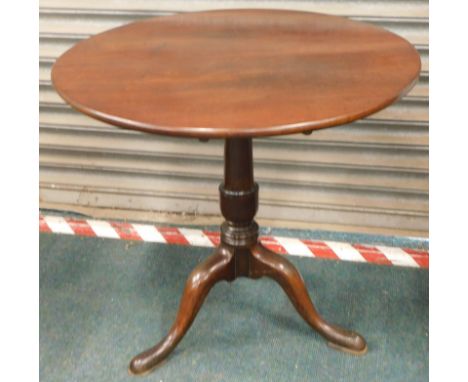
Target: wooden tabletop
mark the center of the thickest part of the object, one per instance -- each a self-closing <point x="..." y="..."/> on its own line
<point x="240" y="73"/>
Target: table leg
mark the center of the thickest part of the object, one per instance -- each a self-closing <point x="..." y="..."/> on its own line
<point x="217" y="267"/>
<point x="267" y="263"/>
<point x="241" y="254"/>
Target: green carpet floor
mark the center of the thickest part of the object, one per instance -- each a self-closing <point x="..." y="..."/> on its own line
<point x="102" y="301"/>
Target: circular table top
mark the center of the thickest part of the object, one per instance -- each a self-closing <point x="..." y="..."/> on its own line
<point x="236" y="73"/>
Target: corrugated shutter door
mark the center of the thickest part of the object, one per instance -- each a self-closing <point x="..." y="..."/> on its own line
<point x="372" y="175"/>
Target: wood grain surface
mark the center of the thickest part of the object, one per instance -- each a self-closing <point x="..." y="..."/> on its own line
<point x="236" y="73"/>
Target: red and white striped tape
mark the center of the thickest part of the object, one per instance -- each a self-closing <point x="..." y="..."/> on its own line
<point x="195" y="237"/>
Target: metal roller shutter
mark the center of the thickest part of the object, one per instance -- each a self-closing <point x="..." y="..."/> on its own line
<point x="371" y="176"/>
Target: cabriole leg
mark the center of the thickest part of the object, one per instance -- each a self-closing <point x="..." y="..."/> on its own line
<point x="217" y="267"/>
<point x="267" y="263"/>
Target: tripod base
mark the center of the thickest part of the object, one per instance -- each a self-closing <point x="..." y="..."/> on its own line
<point x="241" y="255"/>
<point x="227" y="263"/>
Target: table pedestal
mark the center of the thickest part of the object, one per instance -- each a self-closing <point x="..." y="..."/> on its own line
<point x="241" y="254"/>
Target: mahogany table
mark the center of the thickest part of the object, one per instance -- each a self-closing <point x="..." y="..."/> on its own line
<point x="236" y="75"/>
